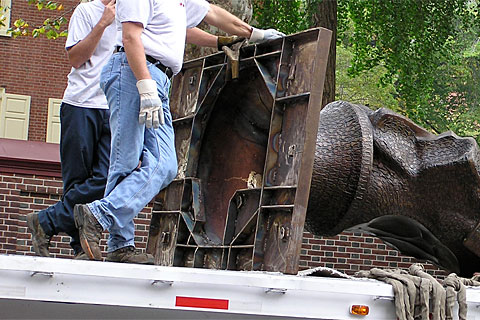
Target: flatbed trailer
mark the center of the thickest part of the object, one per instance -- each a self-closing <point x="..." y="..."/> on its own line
<point x="37" y="287"/>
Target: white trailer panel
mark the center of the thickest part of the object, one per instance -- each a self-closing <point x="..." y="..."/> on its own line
<point x="37" y="287"/>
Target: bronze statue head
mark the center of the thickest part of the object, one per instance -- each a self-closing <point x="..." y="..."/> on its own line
<point x="379" y="173"/>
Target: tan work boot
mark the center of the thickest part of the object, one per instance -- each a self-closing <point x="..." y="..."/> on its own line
<point x="40" y="240"/>
<point x="90" y="231"/>
<point x="81" y="256"/>
<point x="129" y="255"/>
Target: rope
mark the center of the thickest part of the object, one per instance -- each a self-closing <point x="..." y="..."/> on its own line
<point x="416" y="290"/>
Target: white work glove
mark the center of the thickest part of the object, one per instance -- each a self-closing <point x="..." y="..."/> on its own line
<point x="151" y="112"/>
<point x="260" y="35"/>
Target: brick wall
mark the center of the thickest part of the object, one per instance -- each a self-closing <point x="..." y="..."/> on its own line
<point x="35" y="67"/>
<point x="24" y="193"/>
<point x="21" y="194"/>
<point x="351" y="252"/>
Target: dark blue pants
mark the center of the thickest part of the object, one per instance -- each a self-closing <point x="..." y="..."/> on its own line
<point x="84" y="155"/>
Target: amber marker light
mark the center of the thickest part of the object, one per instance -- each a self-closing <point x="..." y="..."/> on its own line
<point x="359" y="310"/>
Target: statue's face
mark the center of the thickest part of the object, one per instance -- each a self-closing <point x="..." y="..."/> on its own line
<point x="377" y="170"/>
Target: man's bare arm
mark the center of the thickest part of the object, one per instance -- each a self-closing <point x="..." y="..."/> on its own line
<point x="83" y="50"/>
<point x="132" y="41"/>
<point x="201" y="38"/>
<point x="230" y="24"/>
<point x="227" y="22"/>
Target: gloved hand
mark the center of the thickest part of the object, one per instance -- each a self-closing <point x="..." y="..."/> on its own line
<point x="260" y="35"/>
<point x="227" y="41"/>
<point x="151" y="112"/>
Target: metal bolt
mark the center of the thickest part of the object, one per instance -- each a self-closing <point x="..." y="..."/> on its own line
<point x="291" y="150"/>
<point x="165" y="237"/>
<point x="283" y="233"/>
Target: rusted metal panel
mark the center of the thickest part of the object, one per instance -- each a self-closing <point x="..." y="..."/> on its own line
<point x="472" y="241"/>
<point x="245" y="149"/>
<point x="184" y="98"/>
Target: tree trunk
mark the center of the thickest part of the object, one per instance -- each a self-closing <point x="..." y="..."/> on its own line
<point x="326" y="16"/>
<point x="241" y="8"/>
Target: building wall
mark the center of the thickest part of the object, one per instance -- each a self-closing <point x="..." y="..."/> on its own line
<point x="24" y="193"/>
<point x="21" y="194"/>
<point x="352" y="252"/>
<point x="35" y="67"/>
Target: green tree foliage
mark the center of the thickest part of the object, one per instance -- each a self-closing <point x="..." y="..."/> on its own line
<point x="365" y="88"/>
<point x="411" y="38"/>
<point x="454" y="104"/>
<point x="424" y="54"/>
<point x="51" y="27"/>
<point x="285" y="16"/>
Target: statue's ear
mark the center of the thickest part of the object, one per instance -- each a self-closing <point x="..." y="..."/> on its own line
<point x="396" y="140"/>
<point x="383" y="117"/>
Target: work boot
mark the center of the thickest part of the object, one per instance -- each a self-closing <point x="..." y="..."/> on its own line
<point x="129" y="255"/>
<point x="40" y="240"/>
<point x="81" y="256"/>
<point x="90" y="231"/>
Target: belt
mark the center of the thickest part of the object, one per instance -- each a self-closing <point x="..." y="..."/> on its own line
<point x="168" y="72"/>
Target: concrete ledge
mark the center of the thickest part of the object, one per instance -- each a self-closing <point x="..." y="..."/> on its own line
<point x="30" y="157"/>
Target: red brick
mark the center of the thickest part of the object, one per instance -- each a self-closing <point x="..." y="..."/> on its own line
<point x="328" y="248"/>
<point x="341" y="266"/>
<point x="12" y="179"/>
<point x="316" y="241"/>
<point x="53" y="183"/>
<point x="12" y="198"/>
<point x="354" y="261"/>
<point x="307" y="235"/>
<point x="393" y="259"/>
<point x="343" y="243"/>
<point x="356" y="239"/>
<point x="368" y="256"/>
<point x="33" y="181"/>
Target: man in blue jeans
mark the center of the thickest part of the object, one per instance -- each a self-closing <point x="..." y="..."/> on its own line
<point x="85" y="131"/>
<point x="136" y="82"/>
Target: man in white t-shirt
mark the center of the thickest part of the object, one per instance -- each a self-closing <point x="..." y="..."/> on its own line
<point x="136" y="82"/>
<point x="85" y="130"/>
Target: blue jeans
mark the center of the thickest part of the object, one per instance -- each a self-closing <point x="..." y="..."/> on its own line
<point x="84" y="155"/>
<point x="131" y="187"/>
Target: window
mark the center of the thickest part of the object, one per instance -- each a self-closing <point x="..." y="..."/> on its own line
<point x="53" y="120"/>
<point x="3" y="29"/>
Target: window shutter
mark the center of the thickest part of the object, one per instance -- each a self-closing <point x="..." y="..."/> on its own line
<point x="53" y="120"/>
<point x="14" y="116"/>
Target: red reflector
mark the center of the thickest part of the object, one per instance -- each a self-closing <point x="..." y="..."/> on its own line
<point x="201" y="303"/>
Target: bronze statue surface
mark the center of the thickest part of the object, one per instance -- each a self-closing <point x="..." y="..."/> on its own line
<point x="378" y="172"/>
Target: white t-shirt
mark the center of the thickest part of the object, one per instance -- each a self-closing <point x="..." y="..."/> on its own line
<point x="83" y="89"/>
<point x="164" y="25"/>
